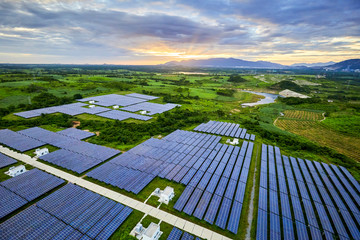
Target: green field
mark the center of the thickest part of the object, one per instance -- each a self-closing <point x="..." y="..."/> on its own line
<point x="323" y="128"/>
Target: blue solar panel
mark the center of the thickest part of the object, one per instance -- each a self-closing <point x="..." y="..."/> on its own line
<point x="18" y="141"/>
<point x="202" y="205"/>
<point x="263" y="199"/>
<point x="179" y="205"/>
<point x="301" y="229"/>
<point x="6" y="160"/>
<point x="213" y="209"/>
<point x="223" y="214"/>
<point x="76" y="133"/>
<point x="187" y="236"/>
<point x="275" y="232"/>
<point x="262" y="225"/>
<point x="194" y="199"/>
<point x="32" y="184"/>
<point x="234" y="218"/>
<point x="310" y="214"/>
<point x="175" y="234"/>
<point x="288" y="229"/>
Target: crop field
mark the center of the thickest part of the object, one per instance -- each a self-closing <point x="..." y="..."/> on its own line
<point x="303" y="115"/>
<point x="315" y="131"/>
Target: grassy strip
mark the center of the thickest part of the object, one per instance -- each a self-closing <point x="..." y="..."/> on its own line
<point x="256" y="196"/>
<point x="243" y="225"/>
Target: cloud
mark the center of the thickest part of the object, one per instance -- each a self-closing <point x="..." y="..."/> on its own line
<point x="135" y="30"/>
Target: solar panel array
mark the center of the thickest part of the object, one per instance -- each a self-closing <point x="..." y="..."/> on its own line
<point x="19" y="190"/>
<point x="113" y="99"/>
<point x="121" y="115"/>
<point x="75" y="155"/>
<point x="142" y="96"/>
<point x="6" y="160"/>
<point x="18" y="141"/>
<point x="76" y="133"/>
<point x="306" y="199"/>
<point x="70" y="109"/>
<point x="165" y="158"/>
<point x="177" y="234"/>
<point x="215" y="174"/>
<point x="138" y="101"/>
<point x="71" y="212"/>
<point x="225" y="129"/>
<point x="151" y="108"/>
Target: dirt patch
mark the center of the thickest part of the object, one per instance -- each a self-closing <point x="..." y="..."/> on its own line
<point x="235" y="110"/>
<point x="75" y="124"/>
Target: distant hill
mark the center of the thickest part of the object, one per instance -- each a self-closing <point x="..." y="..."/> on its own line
<point x="225" y="63"/>
<point x="320" y="64"/>
<point x="347" y="65"/>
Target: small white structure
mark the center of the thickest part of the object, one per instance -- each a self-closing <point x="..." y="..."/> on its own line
<point x="16" y="171"/>
<point x="91" y="101"/>
<point x="143" y="112"/>
<point x="152" y="232"/>
<point x="41" y="152"/>
<point x="329" y="100"/>
<point x="91" y="106"/>
<point x="233" y="142"/>
<point x="165" y="195"/>
<point x="116" y="107"/>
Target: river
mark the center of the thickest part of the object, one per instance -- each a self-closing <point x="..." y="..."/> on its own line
<point x="269" y="98"/>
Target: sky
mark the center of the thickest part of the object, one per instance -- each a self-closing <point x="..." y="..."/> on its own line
<point x="147" y="32"/>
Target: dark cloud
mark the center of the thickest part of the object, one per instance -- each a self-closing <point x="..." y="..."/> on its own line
<point x="116" y="28"/>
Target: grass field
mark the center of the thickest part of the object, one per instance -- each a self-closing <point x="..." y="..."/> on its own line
<point x="315" y="131"/>
<point x="303" y="115"/>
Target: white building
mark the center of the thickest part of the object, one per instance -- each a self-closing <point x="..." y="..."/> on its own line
<point x="41" y="152"/>
<point x="143" y="112"/>
<point x="152" y="232"/>
<point x="91" y="106"/>
<point x="92" y="102"/>
<point x="115" y="107"/>
<point x="165" y="195"/>
<point x="233" y="142"/>
<point x="16" y="171"/>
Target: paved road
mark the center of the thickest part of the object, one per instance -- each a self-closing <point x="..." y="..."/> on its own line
<point x="135" y="204"/>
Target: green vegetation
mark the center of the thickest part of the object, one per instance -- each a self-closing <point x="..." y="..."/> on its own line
<point x="295" y="125"/>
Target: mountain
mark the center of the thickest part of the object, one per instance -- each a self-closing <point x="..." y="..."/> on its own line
<point x="347" y="65"/>
<point x="320" y="64"/>
<point x="225" y="63"/>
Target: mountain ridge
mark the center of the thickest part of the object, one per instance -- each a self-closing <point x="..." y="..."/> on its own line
<point x="347" y="65"/>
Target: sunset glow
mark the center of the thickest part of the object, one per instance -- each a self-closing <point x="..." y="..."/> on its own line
<point x="153" y="32"/>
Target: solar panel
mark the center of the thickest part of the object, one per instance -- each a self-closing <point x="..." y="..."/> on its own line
<point x="18" y="141"/>
<point x="32" y="184"/>
<point x="76" y="133"/>
<point x="213" y="209"/>
<point x="262" y="225"/>
<point x="175" y="234"/>
<point x="6" y="160"/>
<point x="142" y="96"/>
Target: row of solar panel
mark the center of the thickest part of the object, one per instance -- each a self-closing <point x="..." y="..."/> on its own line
<point x="151" y="108"/>
<point x="71" y="212"/>
<point x="75" y="155"/>
<point x="144" y="167"/>
<point x="69" y="109"/>
<point x="19" y="190"/>
<point x="154" y="161"/>
<point x="6" y="160"/>
<point x="177" y="234"/>
<point x="114" y="99"/>
<point x="225" y="129"/>
<point x="277" y="173"/>
<point x="218" y="192"/>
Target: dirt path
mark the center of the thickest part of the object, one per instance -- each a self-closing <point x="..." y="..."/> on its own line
<point x="251" y="205"/>
<point x="323" y="116"/>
